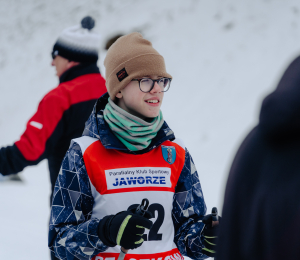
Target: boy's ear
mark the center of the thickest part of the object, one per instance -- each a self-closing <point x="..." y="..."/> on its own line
<point x="119" y="95"/>
<point x="71" y="64"/>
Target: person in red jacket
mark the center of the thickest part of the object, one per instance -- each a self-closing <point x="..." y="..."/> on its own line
<point x="62" y="113"/>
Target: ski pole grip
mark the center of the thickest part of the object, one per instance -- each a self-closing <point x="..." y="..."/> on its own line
<point x="215" y="220"/>
<point x="141" y="209"/>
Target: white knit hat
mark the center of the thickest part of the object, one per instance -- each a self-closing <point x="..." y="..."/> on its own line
<point x="78" y="43"/>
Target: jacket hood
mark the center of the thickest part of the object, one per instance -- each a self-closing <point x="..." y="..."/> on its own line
<point x="97" y="127"/>
<point x="280" y="111"/>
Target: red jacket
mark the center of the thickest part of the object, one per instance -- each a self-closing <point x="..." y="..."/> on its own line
<point x="60" y="117"/>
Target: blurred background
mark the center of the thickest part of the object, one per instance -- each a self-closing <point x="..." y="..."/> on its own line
<point x="224" y="56"/>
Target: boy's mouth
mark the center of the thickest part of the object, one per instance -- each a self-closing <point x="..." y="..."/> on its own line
<point x="153" y="101"/>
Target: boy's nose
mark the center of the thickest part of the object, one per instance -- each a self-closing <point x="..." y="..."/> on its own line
<point x="156" y="88"/>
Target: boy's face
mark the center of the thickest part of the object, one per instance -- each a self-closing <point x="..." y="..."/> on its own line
<point x="61" y="65"/>
<point x="138" y="103"/>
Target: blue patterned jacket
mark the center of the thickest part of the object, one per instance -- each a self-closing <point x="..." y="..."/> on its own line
<point x="72" y="231"/>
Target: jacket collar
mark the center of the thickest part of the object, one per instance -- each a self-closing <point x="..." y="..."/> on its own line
<point x="79" y="70"/>
<point x="97" y="127"/>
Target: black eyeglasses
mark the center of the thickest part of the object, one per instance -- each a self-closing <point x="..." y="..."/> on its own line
<point x="147" y="84"/>
<point x="54" y="54"/>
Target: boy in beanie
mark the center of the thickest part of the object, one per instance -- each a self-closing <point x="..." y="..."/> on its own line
<point x="61" y="114"/>
<point x="128" y="155"/>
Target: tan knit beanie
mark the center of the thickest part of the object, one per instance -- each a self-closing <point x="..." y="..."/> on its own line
<point x="131" y="57"/>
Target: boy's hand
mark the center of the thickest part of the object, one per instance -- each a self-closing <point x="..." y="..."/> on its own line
<point x="125" y="229"/>
<point x="210" y="233"/>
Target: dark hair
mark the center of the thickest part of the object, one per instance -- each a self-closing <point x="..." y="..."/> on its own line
<point x="110" y="41"/>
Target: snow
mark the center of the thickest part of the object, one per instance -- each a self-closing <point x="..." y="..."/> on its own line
<point x="224" y="56"/>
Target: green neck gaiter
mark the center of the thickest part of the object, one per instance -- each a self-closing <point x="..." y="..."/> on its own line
<point x="135" y="133"/>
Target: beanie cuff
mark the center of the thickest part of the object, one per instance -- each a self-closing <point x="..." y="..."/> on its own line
<point x="73" y="54"/>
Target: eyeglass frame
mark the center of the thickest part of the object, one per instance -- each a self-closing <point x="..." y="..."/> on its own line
<point x="154" y="80"/>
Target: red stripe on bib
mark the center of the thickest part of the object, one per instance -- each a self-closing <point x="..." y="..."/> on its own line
<point x="173" y="254"/>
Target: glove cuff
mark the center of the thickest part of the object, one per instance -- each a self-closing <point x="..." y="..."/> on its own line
<point x="103" y="231"/>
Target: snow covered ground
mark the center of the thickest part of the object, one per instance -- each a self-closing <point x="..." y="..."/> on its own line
<point x="224" y="56"/>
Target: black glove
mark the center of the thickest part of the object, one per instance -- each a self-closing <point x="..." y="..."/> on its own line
<point x="210" y="234"/>
<point x="124" y="229"/>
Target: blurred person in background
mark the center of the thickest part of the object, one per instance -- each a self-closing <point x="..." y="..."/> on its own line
<point x="128" y="153"/>
<point x="62" y="113"/>
<point x="261" y="209"/>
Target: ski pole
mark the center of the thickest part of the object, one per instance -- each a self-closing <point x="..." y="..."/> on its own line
<point x="140" y="210"/>
<point x="215" y="220"/>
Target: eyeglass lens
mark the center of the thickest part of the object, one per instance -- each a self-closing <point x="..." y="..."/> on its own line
<point x="146" y="84"/>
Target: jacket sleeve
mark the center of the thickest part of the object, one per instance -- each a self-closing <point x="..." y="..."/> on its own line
<point x="33" y="146"/>
<point x="72" y="231"/>
<point x="188" y="210"/>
